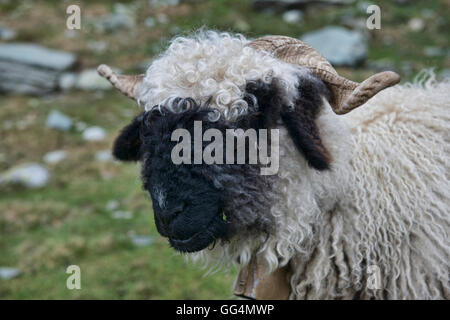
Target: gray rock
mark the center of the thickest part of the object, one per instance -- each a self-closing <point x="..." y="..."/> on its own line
<point x="150" y="22"/>
<point x="97" y="46"/>
<point x="112" y="205"/>
<point x="428" y="13"/>
<point x="352" y="22"/>
<point x="36" y="55"/>
<point x="416" y="24"/>
<point x="293" y="17"/>
<point x="58" y="120"/>
<point x="123" y="17"/>
<point x="141" y="241"/>
<point x="163" y="3"/>
<point x="81" y="126"/>
<point x="55" y="156"/>
<point x="7" y="273"/>
<point x="125" y="215"/>
<point x="31" y="69"/>
<point x="338" y="45"/>
<point x="434" y="51"/>
<point x="67" y="80"/>
<point x="104" y="156"/>
<point x="363" y="5"/>
<point x="7" y="34"/>
<point x="162" y="18"/>
<point x="90" y="80"/>
<point x="94" y="134"/>
<point x="31" y="175"/>
<point x="444" y="74"/>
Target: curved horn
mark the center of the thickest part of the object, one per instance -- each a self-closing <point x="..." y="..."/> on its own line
<point x="125" y="84"/>
<point x="346" y="94"/>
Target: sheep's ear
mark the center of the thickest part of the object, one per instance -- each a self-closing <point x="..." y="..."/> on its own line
<point x="301" y="125"/>
<point x="305" y="134"/>
<point x="299" y="120"/>
<point x="128" y="143"/>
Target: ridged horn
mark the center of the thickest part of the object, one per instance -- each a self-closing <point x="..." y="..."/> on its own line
<point x="346" y="94"/>
<point x="127" y="85"/>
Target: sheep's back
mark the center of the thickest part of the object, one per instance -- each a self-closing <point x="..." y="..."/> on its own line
<point x="399" y="203"/>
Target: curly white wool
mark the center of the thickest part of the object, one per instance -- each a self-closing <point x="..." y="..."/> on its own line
<point x="214" y="67"/>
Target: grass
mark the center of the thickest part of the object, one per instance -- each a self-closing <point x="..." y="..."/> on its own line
<point x="45" y="230"/>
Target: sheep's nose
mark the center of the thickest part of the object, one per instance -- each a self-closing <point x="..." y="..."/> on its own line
<point x="168" y="214"/>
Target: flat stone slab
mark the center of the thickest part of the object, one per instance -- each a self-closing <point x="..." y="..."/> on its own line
<point x="36" y="55"/>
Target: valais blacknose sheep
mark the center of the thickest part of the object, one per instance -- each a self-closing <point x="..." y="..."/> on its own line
<point x="358" y="207"/>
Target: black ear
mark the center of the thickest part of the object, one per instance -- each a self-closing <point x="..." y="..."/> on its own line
<point x="305" y="134"/>
<point x="300" y="122"/>
<point x="128" y="144"/>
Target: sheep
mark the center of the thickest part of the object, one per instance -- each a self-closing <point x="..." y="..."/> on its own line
<point x="359" y="206"/>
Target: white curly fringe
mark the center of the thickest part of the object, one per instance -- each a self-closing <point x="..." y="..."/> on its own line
<point x="214" y="67"/>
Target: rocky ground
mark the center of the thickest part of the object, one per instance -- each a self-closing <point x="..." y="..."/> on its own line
<point x="64" y="200"/>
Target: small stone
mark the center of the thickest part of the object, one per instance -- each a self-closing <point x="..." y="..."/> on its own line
<point x="433" y="52"/>
<point x="141" y="241"/>
<point x="444" y="74"/>
<point x="112" y="205"/>
<point x="80" y="126"/>
<point x="428" y="13"/>
<point x="7" y="34"/>
<point x="416" y="24"/>
<point x="293" y="17"/>
<point x="58" y="120"/>
<point x="162" y="18"/>
<point x="94" y="134"/>
<point x="97" y="46"/>
<point x="126" y="215"/>
<point x="55" y="156"/>
<point x="7" y="273"/>
<point x="31" y="175"/>
<point x="163" y="3"/>
<point x="123" y="17"/>
<point x="150" y="22"/>
<point x="104" y="156"/>
<point x="91" y="80"/>
<point x="67" y="80"/>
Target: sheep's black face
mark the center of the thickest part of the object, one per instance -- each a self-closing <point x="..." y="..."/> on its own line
<point x="197" y="203"/>
<point x="187" y="206"/>
<point x="194" y="204"/>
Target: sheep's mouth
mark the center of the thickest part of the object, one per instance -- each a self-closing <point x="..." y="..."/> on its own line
<point x="203" y="238"/>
